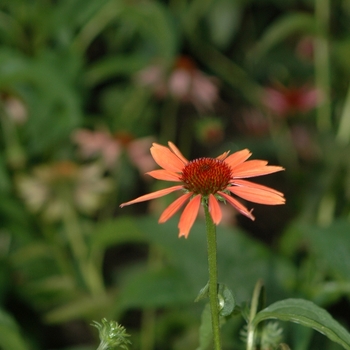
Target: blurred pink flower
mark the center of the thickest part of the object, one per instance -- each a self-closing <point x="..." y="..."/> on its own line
<point x="283" y="101"/>
<point x="185" y="83"/>
<point x="95" y="143"/>
<point x="110" y="147"/>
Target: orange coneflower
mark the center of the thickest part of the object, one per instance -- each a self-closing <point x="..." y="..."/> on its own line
<point x="208" y="180"/>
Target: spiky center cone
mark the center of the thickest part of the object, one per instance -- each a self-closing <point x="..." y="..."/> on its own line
<point x="206" y="176"/>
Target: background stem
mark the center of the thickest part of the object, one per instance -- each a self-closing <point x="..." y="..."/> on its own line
<point x="322" y="74"/>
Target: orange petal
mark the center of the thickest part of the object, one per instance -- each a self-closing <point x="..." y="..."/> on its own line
<point x="174" y="207"/>
<point x="258" y="171"/>
<point x="237" y="158"/>
<point x="189" y="215"/>
<point x="214" y="209"/>
<point x="177" y="152"/>
<point x="237" y="205"/>
<point x="250" y="164"/>
<point x="164" y="175"/>
<point x="257" y="195"/>
<point x="253" y="168"/>
<point x="223" y="156"/>
<point x="254" y="185"/>
<point x="153" y="195"/>
<point x="166" y="159"/>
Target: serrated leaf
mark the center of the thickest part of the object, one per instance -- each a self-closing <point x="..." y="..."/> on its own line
<point x="307" y="314"/>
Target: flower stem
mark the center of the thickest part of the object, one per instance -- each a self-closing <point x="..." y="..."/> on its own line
<point x="213" y="277"/>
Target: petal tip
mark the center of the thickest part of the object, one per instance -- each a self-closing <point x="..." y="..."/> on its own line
<point x="183" y="234"/>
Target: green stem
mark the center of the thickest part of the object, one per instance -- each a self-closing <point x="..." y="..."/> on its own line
<point x="258" y="297"/>
<point x="224" y="68"/>
<point x="88" y="271"/>
<point x="343" y="134"/>
<point x="213" y="278"/>
<point x="322" y="74"/>
<point x="15" y="156"/>
<point x="148" y="326"/>
<point x="96" y="24"/>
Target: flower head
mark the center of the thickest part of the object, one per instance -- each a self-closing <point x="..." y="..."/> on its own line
<point x="110" y="147"/>
<point x="112" y="335"/>
<point x="284" y="101"/>
<point x="207" y="180"/>
<point x="185" y="83"/>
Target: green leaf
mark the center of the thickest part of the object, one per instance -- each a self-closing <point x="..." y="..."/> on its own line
<point x="240" y="256"/>
<point x="227" y="301"/>
<point x="281" y="29"/>
<point x="159" y="288"/>
<point x="157" y="27"/>
<point x="224" y="18"/>
<point x="331" y="245"/>
<point x="110" y="67"/>
<point x="307" y="314"/>
<point x="53" y="103"/>
<point x="205" y="329"/>
<point x="10" y="337"/>
<point x="113" y="232"/>
<point x="83" y="306"/>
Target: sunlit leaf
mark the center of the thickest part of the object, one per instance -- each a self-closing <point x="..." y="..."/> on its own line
<point x="307" y="314"/>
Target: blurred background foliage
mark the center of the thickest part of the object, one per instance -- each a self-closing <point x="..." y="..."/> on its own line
<point x="86" y="86"/>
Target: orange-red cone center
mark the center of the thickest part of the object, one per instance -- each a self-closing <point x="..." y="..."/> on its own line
<point x="206" y="176"/>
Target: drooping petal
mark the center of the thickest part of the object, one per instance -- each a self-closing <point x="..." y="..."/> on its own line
<point x="164" y="175"/>
<point x="174" y="207"/>
<point x="214" y="209"/>
<point x="177" y="152"/>
<point x="257" y="195"/>
<point x="250" y="184"/>
<point x="166" y="159"/>
<point x="152" y="195"/>
<point x="237" y="158"/>
<point x="188" y="216"/>
<point x="237" y="205"/>
<point x="253" y="168"/>
<point x="223" y="156"/>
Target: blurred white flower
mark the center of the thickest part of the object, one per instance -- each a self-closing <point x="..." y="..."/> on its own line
<point x="51" y="188"/>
